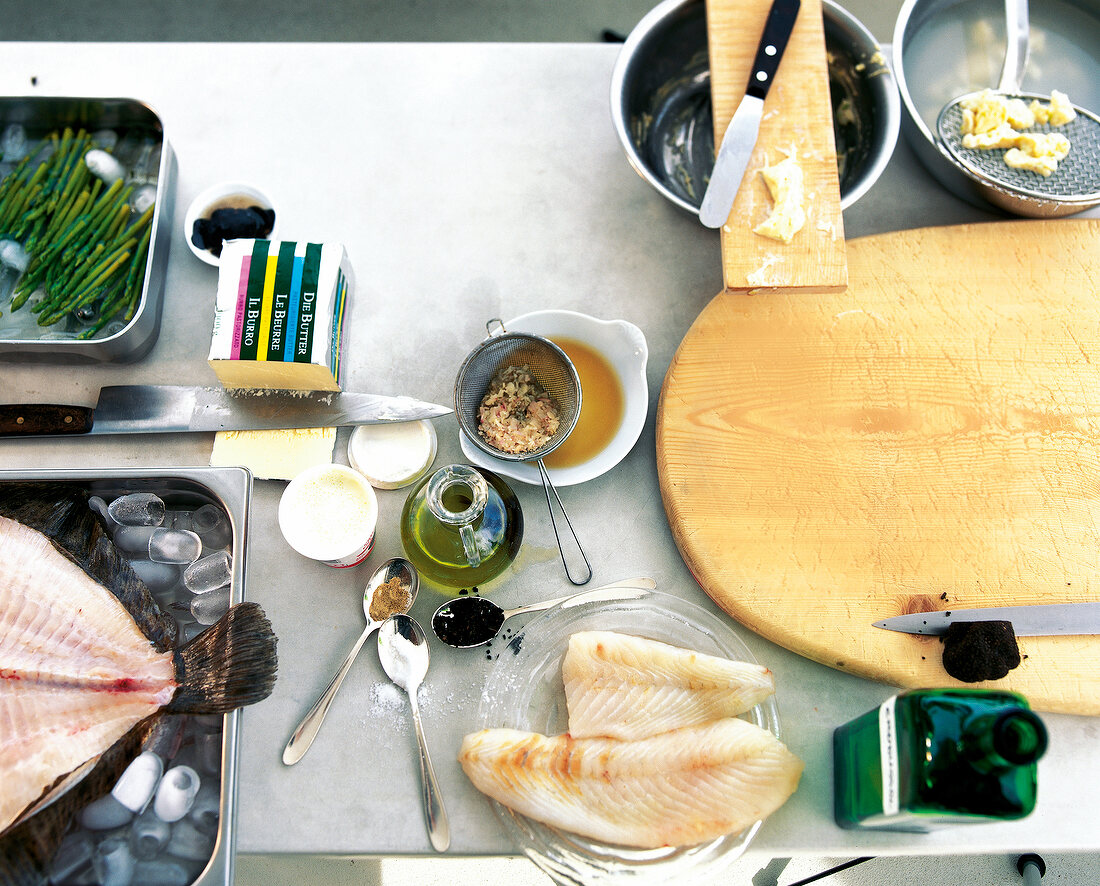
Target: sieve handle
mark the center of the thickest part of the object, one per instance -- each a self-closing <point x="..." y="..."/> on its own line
<point x="547" y="488"/>
<point x="1017" y="45"/>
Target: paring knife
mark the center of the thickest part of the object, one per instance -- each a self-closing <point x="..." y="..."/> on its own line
<point x="740" y="138"/>
<point x="1027" y="621"/>
<point x="158" y="409"/>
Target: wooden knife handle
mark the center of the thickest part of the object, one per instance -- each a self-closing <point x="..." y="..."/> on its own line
<point x="33" y="419"/>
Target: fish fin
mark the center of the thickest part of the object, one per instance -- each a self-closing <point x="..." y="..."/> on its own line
<point x="230" y="664"/>
<point x="60" y="511"/>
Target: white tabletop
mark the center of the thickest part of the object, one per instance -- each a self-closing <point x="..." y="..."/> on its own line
<point x="467" y="181"/>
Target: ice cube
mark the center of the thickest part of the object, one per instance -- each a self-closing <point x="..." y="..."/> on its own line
<point x="104" y="166"/>
<point x="149" y="834"/>
<point x="177" y="520"/>
<point x="14" y="145"/>
<point x="143" y="197"/>
<point x="208" y="573"/>
<point x="114" y="864"/>
<point x="206" y="810"/>
<point x="158" y="577"/>
<point x="212" y="525"/>
<point x="176" y="793"/>
<point x="189" y="842"/>
<point x="162" y="872"/>
<point x="134" y="788"/>
<point x="104" y="814"/>
<point x="14" y="256"/>
<point x="137" y="509"/>
<point x="73" y="855"/>
<point x="174" y="545"/>
<point x="209" y="607"/>
<point x="133" y="540"/>
<point x="208" y="753"/>
<point x="105" y="138"/>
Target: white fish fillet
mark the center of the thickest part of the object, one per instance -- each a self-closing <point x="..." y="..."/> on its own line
<point x="76" y="672"/>
<point x="628" y="687"/>
<point x="674" y="789"/>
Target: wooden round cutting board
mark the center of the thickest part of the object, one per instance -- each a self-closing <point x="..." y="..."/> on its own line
<point x="928" y="439"/>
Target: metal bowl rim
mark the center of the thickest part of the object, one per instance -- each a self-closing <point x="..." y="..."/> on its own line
<point x="658" y="15"/>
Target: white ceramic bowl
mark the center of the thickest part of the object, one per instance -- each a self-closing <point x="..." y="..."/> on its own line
<point x="624" y="347"/>
<point x="210" y="199"/>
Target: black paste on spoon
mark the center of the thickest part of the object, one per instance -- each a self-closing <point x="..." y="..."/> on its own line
<point x="467" y="621"/>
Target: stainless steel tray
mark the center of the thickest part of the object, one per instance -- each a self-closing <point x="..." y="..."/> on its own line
<point x="42" y="115"/>
<point x="231" y="489"/>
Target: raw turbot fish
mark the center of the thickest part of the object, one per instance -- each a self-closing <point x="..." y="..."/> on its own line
<point x="675" y="789"/>
<point x="628" y="687"/>
<point x="87" y="664"/>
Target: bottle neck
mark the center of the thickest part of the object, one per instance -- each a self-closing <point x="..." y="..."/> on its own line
<point x="457" y="494"/>
<point x="1007" y="739"/>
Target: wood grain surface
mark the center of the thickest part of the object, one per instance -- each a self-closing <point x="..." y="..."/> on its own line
<point x="928" y="439"/>
<point x="797" y="117"/>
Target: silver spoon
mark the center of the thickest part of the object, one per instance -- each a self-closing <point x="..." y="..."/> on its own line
<point x="405" y="573"/>
<point x="465" y="622"/>
<point x="403" y="651"/>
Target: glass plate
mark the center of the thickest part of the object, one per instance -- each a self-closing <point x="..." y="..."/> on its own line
<point x="524" y="690"/>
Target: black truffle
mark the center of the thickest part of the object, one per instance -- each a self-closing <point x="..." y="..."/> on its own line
<point x="254" y="222"/>
<point x="980" y="650"/>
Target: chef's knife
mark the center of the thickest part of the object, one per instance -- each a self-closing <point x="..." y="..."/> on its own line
<point x="158" y="409"/>
<point x="1027" y="621"/>
<point x="740" y="138"/>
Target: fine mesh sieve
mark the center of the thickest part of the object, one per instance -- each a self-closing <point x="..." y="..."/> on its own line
<point x="548" y="364"/>
<point x="1073" y="187"/>
<point x="554" y="371"/>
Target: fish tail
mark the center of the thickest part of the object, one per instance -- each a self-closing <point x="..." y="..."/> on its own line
<point x="231" y="663"/>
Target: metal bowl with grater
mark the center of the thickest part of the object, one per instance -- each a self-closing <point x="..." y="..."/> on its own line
<point x="1073" y="187"/>
<point x="555" y="372"/>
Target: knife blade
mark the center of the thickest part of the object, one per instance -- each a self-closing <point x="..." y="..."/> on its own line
<point x="1041" y="620"/>
<point x="158" y="409"/>
<point x="740" y="136"/>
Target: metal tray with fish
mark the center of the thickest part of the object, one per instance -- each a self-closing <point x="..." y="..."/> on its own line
<point x="108" y="303"/>
<point x="197" y="846"/>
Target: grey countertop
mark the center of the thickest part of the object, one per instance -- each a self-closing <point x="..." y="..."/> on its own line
<point x="467" y="181"/>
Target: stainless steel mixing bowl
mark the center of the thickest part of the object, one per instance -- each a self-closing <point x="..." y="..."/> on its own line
<point x="660" y="101"/>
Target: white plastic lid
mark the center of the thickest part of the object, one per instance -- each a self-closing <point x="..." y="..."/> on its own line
<point x="393" y="454"/>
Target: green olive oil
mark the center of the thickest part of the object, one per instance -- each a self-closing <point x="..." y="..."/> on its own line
<point x="461" y="526"/>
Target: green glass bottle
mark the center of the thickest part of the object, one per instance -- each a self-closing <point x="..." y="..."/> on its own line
<point x="927" y="758"/>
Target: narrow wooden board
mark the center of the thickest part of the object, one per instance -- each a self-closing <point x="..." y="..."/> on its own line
<point x="798" y="117"/>
<point x="929" y="439"/>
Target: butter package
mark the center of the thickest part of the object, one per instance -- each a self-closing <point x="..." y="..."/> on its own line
<point x="279" y="317"/>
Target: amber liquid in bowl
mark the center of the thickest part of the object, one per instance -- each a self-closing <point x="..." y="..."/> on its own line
<point x="602" y="406"/>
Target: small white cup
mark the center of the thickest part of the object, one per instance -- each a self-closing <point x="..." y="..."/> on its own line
<point x="329" y="513"/>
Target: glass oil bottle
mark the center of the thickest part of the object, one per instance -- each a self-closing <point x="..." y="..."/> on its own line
<point x="929" y="758"/>
<point x="461" y="526"/>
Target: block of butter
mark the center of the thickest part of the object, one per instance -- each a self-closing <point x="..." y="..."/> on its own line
<point x="279" y="316"/>
<point x="274" y="455"/>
